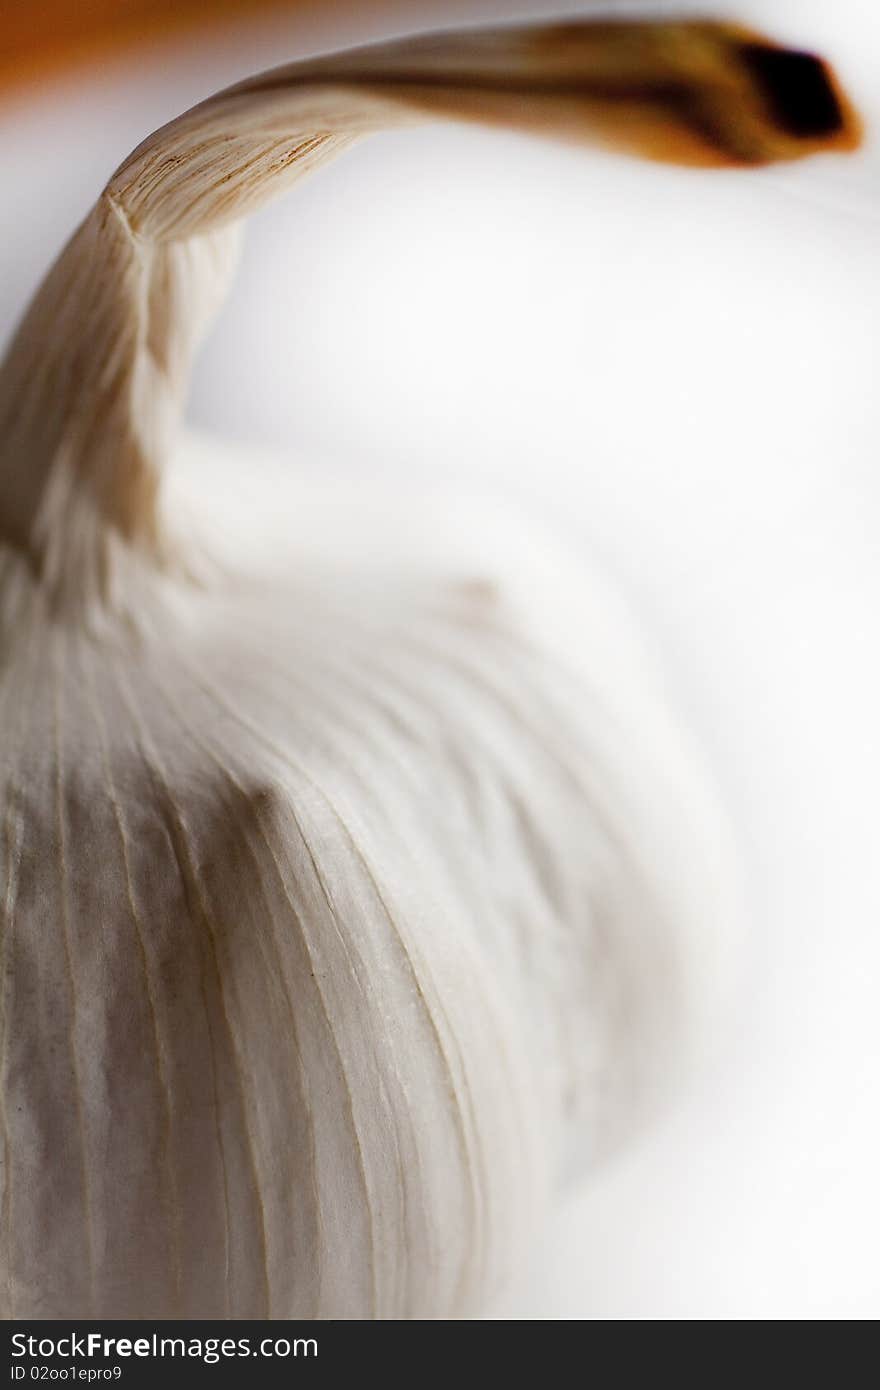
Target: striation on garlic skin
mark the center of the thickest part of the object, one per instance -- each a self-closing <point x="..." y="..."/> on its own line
<point x="357" y="888"/>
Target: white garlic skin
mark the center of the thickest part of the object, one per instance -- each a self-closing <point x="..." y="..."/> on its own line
<point x="351" y="902"/>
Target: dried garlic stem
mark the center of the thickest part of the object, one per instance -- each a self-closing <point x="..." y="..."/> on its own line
<point x="92" y="388"/>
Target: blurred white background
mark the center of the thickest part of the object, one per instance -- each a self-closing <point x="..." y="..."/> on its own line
<point x="680" y="368"/>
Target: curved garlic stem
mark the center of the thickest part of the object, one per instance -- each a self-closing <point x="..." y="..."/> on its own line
<point x="93" y="385"/>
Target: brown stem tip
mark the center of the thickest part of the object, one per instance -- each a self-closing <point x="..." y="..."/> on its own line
<point x="799" y="89"/>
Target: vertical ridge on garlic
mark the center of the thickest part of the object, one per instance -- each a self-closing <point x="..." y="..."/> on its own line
<point x="356" y="885"/>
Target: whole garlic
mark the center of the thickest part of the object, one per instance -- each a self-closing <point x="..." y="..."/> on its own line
<point x="356" y="886"/>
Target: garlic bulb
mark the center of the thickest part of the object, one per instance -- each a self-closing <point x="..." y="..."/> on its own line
<point x="357" y="888"/>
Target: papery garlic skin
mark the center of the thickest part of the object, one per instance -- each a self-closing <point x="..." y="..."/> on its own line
<point x="349" y="917"/>
<point x="357" y="887"/>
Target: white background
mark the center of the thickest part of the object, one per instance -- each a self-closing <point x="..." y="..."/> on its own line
<point x="681" y="368"/>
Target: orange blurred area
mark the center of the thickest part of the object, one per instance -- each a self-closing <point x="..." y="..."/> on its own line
<point x="39" y="37"/>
